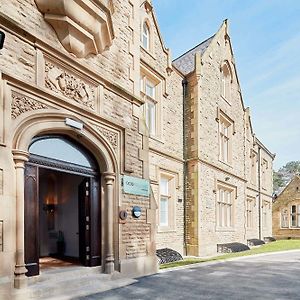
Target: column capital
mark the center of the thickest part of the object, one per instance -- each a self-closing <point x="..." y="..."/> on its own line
<point x="20" y="157"/>
<point x="109" y="177"/>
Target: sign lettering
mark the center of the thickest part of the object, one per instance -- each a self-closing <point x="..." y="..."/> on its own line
<point x="136" y="186"/>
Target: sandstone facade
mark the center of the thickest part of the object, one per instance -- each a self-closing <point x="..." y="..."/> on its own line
<point x="221" y="152"/>
<point x="139" y="115"/>
<point x="285" y="212"/>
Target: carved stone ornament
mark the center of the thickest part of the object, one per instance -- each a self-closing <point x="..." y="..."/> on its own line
<point x="69" y="85"/>
<point x="21" y="104"/>
<point x="82" y="26"/>
<point x="110" y="136"/>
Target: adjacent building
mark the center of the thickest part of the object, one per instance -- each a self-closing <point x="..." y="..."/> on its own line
<point x="286" y="211"/>
<point x="109" y="150"/>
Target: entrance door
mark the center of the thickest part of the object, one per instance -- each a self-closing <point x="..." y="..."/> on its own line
<point x="89" y="223"/>
<point x="31" y="220"/>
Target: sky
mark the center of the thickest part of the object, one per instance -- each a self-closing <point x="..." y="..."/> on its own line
<point x="265" y="35"/>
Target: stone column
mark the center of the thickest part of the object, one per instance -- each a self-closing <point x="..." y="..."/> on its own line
<point x="20" y="157"/>
<point x="109" y="179"/>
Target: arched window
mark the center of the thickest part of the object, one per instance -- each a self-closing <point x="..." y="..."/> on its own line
<point x="226" y="81"/>
<point x="146" y="36"/>
<point x="61" y="148"/>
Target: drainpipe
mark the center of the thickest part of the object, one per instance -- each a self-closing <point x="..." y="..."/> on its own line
<point x="259" y="193"/>
<point x="184" y="87"/>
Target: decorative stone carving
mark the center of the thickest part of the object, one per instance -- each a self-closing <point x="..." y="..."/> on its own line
<point x="82" y="26"/>
<point x="21" y="104"/>
<point x="69" y="85"/>
<point x="110" y="136"/>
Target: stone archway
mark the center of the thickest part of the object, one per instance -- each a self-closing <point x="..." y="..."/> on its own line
<point x="50" y="123"/>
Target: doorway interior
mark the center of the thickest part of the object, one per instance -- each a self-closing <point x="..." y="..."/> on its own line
<point x="62" y="206"/>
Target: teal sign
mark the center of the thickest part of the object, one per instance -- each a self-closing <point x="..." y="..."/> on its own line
<point x="136" y="186"/>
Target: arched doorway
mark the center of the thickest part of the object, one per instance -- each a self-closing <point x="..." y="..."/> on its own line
<point x="62" y="209"/>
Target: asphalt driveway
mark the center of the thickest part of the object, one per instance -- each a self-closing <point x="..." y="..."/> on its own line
<point x="272" y="276"/>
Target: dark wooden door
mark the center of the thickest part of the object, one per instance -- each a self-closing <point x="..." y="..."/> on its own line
<point x="84" y="221"/>
<point x="89" y="222"/>
<point x="31" y="220"/>
<point x="95" y="215"/>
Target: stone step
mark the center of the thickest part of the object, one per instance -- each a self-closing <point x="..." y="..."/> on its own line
<point x="52" y="288"/>
<point x="63" y="273"/>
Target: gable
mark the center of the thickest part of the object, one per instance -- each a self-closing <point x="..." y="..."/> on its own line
<point x="289" y="193"/>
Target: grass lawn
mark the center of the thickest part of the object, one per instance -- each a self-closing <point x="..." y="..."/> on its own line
<point x="282" y="245"/>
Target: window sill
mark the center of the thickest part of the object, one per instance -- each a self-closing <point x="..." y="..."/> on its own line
<point x="165" y="230"/>
<point x="156" y="138"/>
<point x="291" y="228"/>
<point x="148" y="52"/>
<point x="225" y="163"/>
<point x="225" y="229"/>
<point x="227" y="101"/>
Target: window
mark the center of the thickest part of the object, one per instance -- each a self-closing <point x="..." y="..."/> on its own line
<point x="226" y="82"/>
<point x="265" y="209"/>
<point x="284" y="218"/>
<point x="224" y="207"/>
<point x="225" y="132"/>
<point x="295" y="215"/>
<point x="148" y="91"/>
<point x="146" y="36"/>
<point x="254" y="167"/>
<point x="249" y="212"/>
<point x="164" y="199"/>
<point x="264" y="168"/>
<point x="61" y="148"/>
<point x="166" y="202"/>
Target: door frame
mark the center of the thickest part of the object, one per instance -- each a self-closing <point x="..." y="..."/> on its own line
<point x="38" y="162"/>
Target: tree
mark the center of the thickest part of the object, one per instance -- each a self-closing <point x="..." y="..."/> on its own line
<point x="283" y="176"/>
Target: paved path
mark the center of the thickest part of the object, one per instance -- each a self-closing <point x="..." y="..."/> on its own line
<point x="275" y="276"/>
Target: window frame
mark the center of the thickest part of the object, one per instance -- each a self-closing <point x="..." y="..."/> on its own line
<point x="250" y="204"/>
<point x="226" y="82"/>
<point x="148" y="80"/>
<point x="146" y="36"/>
<point x="170" y="197"/>
<point x="284" y="213"/>
<point x="225" y="208"/>
<point x="225" y="128"/>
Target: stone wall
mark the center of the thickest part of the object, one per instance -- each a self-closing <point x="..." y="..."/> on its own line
<point x="288" y="197"/>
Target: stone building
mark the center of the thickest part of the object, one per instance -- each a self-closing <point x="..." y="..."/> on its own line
<point x="108" y="151"/>
<point x="286" y="211"/>
<point x="229" y="171"/>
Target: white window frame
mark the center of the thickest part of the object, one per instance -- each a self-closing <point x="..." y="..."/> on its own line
<point x="150" y="94"/>
<point x="226" y="80"/>
<point x="284" y="218"/>
<point x="296" y="214"/>
<point x="250" y="203"/>
<point x="225" y="207"/>
<point x="169" y="196"/>
<point x="145" y="37"/>
<point x="265" y="208"/>
<point x="254" y="167"/>
<point x="225" y="139"/>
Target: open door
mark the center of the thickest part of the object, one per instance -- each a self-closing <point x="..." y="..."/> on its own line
<point x="95" y="223"/>
<point x="84" y="221"/>
<point x="89" y="223"/>
<point x="31" y="220"/>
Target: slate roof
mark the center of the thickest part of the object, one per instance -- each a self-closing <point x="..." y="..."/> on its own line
<point x="186" y="62"/>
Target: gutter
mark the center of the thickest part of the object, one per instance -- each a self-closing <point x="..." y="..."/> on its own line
<point x="259" y="194"/>
<point x="184" y="86"/>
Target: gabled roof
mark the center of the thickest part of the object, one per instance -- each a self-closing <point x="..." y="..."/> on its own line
<point x="186" y="62"/>
<point x="286" y="188"/>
